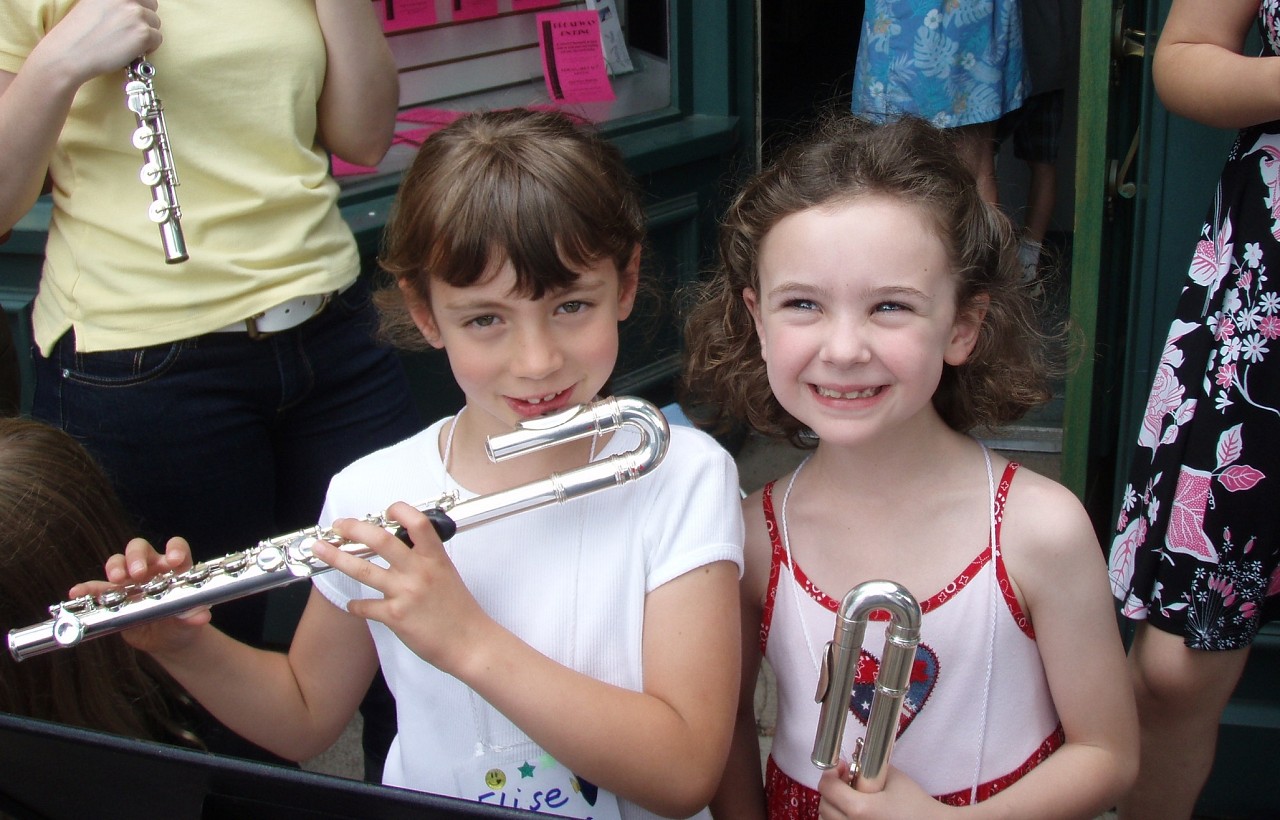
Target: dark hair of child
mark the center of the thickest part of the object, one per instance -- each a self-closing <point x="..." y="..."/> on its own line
<point x="59" y="521"/>
<point x="532" y="187"/>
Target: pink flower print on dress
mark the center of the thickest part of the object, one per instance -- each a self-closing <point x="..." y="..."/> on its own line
<point x="1166" y="396"/>
<point x="1120" y="564"/>
<point x="1134" y="608"/>
<point x="1235" y="477"/>
<point x="1224" y="588"/>
<point x="1225" y="328"/>
<point x="1212" y="260"/>
<point x="1269" y="167"/>
<point x="1164" y="400"/>
<point x="1186" y="518"/>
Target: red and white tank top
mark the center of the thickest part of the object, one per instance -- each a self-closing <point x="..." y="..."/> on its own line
<point x="978" y="714"/>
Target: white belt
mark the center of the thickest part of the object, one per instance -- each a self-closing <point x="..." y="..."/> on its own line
<point x="284" y="316"/>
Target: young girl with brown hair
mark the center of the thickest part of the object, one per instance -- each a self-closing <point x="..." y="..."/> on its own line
<point x="582" y="657"/>
<point x="870" y="309"/>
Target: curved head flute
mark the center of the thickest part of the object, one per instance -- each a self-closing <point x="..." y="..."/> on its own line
<point x="839" y="666"/>
<point x="288" y="558"/>
<point x="151" y="137"/>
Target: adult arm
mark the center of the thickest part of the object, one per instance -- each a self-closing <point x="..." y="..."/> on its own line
<point x="663" y="747"/>
<point x="96" y="36"/>
<point x="1200" y="71"/>
<point x="361" y="92"/>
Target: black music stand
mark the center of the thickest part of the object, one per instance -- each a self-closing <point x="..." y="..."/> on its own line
<point x="48" y="770"/>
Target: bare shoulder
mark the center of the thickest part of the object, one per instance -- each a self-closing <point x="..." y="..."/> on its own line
<point x="1041" y="511"/>
<point x="1046" y="535"/>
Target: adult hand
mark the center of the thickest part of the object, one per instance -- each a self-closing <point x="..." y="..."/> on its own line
<point x="98" y="36"/>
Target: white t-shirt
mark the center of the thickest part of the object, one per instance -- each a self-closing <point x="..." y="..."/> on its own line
<point x="569" y="579"/>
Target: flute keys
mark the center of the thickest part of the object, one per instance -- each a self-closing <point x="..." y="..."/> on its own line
<point x="136" y="96"/>
<point x="67" y="630"/>
<point x="151" y="174"/>
<point x="195" y="576"/>
<point x="300" y="548"/>
<point x="144" y="138"/>
<point x="113" y="598"/>
<point x="157" y="586"/>
<point x="78" y="605"/>
<point x="158" y="211"/>
<point x="158" y="171"/>
<point x="235" y="563"/>
<point x="270" y="559"/>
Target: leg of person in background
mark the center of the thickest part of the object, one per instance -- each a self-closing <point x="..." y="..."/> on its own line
<point x="977" y="144"/>
<point x="1181" y="694"/>
<point x="1042" y="192"/>
<point x="1035" y="142"/>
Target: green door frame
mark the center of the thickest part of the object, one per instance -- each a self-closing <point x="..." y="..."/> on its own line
<point x="1087" y="245"/>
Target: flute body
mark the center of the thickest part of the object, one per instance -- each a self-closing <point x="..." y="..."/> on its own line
<point x="158" y="172"/>
<point x="870" y="764"/>
<point x="288" y="558"/>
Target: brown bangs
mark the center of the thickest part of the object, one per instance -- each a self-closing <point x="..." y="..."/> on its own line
<point x="527" y="187"/>
<point x="512" y="214"/>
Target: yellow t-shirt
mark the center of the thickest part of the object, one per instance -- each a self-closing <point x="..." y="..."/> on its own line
<point x="239" y="81"/>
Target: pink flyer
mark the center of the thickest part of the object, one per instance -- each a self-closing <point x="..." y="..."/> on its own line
<point x="473" y="9"/>
<point x="572" y="57"/>
<point x="396" y="15"/>
<point x="526" y="5"/>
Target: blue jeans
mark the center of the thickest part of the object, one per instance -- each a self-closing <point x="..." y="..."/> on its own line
<point x="226" y="440"/>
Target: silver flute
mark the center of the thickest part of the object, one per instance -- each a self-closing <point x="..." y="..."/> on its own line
<point x="151" y="137"/>
<point x="288" y="558"/>
<point x="870" y="764"/>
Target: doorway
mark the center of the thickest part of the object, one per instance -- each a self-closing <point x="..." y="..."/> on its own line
<point x="806" y="68"/>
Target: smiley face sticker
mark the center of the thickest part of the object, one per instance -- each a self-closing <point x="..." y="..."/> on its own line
<point x="495" y="779"/>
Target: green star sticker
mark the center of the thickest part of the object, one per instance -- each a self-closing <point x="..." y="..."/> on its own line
<point x="526" y="770"/>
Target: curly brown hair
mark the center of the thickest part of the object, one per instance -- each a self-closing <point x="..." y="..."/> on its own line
<point x="725" y="381"/>
<point x="534" y="188"/>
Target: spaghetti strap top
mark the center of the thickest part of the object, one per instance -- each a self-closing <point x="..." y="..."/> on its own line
<point x="978" y="714"/>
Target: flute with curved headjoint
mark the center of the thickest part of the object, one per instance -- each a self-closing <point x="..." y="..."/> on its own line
<point x="870" y="763"/>
<point x="288" y="558"/>
<point x="151" y="137"/>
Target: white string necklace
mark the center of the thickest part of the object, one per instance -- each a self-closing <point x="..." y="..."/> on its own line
<point x="991" y="633"/>
<point x="995" y="594"/>
<point x="479" y="717"/>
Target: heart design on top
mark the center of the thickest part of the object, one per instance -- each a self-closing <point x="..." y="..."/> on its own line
<point x="924" y="674"/>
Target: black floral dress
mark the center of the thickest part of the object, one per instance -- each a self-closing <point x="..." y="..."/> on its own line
<point x="1195" y="550"/>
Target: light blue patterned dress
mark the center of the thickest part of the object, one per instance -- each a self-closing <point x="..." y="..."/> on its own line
<point x="955" y="62"/>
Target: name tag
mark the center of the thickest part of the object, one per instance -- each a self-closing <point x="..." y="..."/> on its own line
<point x="532" y="780"/>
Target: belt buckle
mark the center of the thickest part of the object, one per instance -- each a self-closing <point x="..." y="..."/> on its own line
<point x="251" y="323"/>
